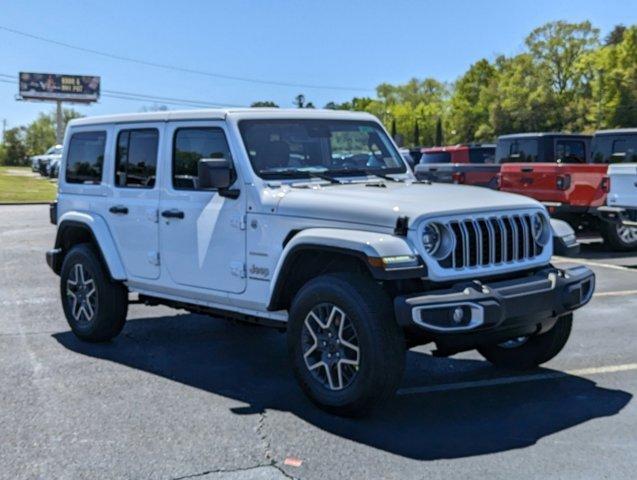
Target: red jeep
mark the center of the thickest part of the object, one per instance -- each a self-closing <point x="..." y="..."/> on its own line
<point x="556" y="170"/>
<point x="472" y="164"/>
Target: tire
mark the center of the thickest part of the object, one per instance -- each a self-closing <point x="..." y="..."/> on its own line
<point x="529" y="352"/>
<point x="97" y="312"/>
<point x="620" y="238"/>
<point x="361" y="315"/>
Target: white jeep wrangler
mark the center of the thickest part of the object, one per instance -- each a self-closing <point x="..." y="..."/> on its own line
<point x="311" y="221"/>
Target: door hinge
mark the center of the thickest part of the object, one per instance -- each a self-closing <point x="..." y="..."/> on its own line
<point x="238" y="269"/>
<point x="153" y="258"/>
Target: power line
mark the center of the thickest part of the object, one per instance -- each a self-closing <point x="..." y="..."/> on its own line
<point x="142" y="97"/>
<point x="178" y="68"/>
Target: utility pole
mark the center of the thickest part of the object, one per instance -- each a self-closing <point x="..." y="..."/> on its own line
<point x="59" y="120"/>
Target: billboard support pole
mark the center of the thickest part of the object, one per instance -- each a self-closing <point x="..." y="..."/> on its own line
<point x="59" y="123"/>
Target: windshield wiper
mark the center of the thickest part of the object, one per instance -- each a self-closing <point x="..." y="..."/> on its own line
<point x="354" y="171"/>
<point x="300" y="174"/>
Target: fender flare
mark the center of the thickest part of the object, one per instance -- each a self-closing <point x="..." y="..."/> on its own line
<point x="99" y="231"/>
<point x="360" y="244"/>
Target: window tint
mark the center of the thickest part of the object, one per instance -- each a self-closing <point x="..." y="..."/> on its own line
<point x="615" y="149"/>
<point x="435" y="157"/>
<point x="85" y="158"/>
<point x="191" y="145"/>
<point x="523" y="150"/>
<point x="136" y="160"/>
<point x="481" y="155"/>
<point x="570" y="151"/>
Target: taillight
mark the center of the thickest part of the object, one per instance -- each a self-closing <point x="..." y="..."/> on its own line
<point x="605" y="185"/>
<point x="563" y="182"/>
<point x="457" y="177"/>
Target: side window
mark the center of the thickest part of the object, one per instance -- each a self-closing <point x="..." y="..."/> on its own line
<point x="570" y="151"/>
<point x="136" y="159"/>
<point x="85" y="158"/>
<point x="191" y="145"/>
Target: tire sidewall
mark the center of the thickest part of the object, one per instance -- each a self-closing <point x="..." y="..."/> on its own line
<point x="83" y="255"/>
<point x="331" y="289"/>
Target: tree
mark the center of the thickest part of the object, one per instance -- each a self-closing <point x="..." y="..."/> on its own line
<point x="469" y="104"/>
<point x="264" y="104"/>
<point x="439" y="137"/>
<point x="416" y="138"/>
<point x="299" y="101"/>
<point x="616" y="35"/>
<point x="40" y="135"/>
<point x="14" y="148"/>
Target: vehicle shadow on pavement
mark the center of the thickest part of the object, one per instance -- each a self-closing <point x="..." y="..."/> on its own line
<point x="249" y="364"/>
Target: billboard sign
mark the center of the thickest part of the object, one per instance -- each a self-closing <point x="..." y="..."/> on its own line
<point x="59" y="87"/>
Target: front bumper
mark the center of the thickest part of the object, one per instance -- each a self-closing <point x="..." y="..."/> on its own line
<point x="470" y="314"/>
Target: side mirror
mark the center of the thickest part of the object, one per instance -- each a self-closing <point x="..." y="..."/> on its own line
<point x="214" y="173"/>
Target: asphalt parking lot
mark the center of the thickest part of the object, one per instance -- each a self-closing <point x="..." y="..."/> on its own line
<point x="185" y="396"/>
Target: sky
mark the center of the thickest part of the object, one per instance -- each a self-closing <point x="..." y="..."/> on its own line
<point x="345" y="47"/>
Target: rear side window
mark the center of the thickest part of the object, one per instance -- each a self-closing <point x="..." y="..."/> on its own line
<point x="435" y="157"/>
<point x="85" y="158"/>
<point x="615" y="149"/>
<point x="136" y="159"/>
<point x="570" y="151"/>
<point x="482" y="155"/>
<point x="191" y="145"/>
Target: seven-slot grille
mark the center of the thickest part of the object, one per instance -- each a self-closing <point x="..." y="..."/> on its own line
<point x="494" y="240"/>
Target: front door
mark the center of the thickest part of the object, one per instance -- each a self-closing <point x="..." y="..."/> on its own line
<point x="202" y="234"/>
<point x="131" y="208"/>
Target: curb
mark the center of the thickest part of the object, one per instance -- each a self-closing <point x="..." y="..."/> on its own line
<point x="23" y="203"/>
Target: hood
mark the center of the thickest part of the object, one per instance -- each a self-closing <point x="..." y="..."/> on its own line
<point x="381" y="206"/>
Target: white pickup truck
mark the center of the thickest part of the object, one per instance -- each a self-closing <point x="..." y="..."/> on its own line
<point x="619" y="149"/>
<point x="308" y="221"/>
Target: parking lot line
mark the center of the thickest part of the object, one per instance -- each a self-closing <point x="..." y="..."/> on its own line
<point x="517" y="379"/>
<point x="558" y="259"/>
<point x="618" y="293"/>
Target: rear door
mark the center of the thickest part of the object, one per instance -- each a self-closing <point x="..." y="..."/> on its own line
<point x="131" y="207"/>
<point x="202" y="233"/>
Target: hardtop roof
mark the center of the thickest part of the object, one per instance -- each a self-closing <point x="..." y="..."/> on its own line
<point x="223" y="114"/>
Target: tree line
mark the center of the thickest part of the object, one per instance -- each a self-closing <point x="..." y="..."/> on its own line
<point x="566" y="79"/>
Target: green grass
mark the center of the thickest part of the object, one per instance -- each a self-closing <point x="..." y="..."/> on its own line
<point x="19" y="185"/>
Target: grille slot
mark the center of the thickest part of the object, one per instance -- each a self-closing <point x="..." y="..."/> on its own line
<point x="490" y="241"/>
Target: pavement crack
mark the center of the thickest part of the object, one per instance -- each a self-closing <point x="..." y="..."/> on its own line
<point x="235" y="470"/>
<point x="264" y="438"/>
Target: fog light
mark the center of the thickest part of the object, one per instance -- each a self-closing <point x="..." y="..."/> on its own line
<point x="458" y="315"/>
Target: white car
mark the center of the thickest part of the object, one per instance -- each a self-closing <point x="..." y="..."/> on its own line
<point x="41" y="163"/>
<point x="249" y="214"/>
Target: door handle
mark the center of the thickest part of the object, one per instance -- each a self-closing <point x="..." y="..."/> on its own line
<point x="119" y="210"/>
<point x="527" y="170"/>
<point x="174" y="213"/>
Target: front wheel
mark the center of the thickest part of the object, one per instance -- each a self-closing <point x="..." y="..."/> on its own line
<point x="523" y="353"/>
<point x="345" y="346"/>
<point x="620" y="237"/>
<point x="95" y="306"/>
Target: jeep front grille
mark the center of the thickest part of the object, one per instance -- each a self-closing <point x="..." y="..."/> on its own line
<point x="491" y="241"/>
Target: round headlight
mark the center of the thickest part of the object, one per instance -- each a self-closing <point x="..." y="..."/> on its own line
<point x="437" y="240"/>
<point x="431" y="237"/>
<point x="540" y="229"/>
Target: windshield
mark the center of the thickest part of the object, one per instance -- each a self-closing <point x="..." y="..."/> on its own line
<point x="284" y="148"/>
<point x="435" y="157"/>
<point x="54" y="151"/>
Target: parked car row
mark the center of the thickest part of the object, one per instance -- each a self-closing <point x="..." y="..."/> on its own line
<point x="568" y="173"/>
<point x="48" y="164"/>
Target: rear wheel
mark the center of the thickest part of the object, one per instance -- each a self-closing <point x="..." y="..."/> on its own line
<point x="619" y="237"/>
<point x="95" y="306"/>
<point x="345" y="347"/>
<point x="523" y="353"/>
